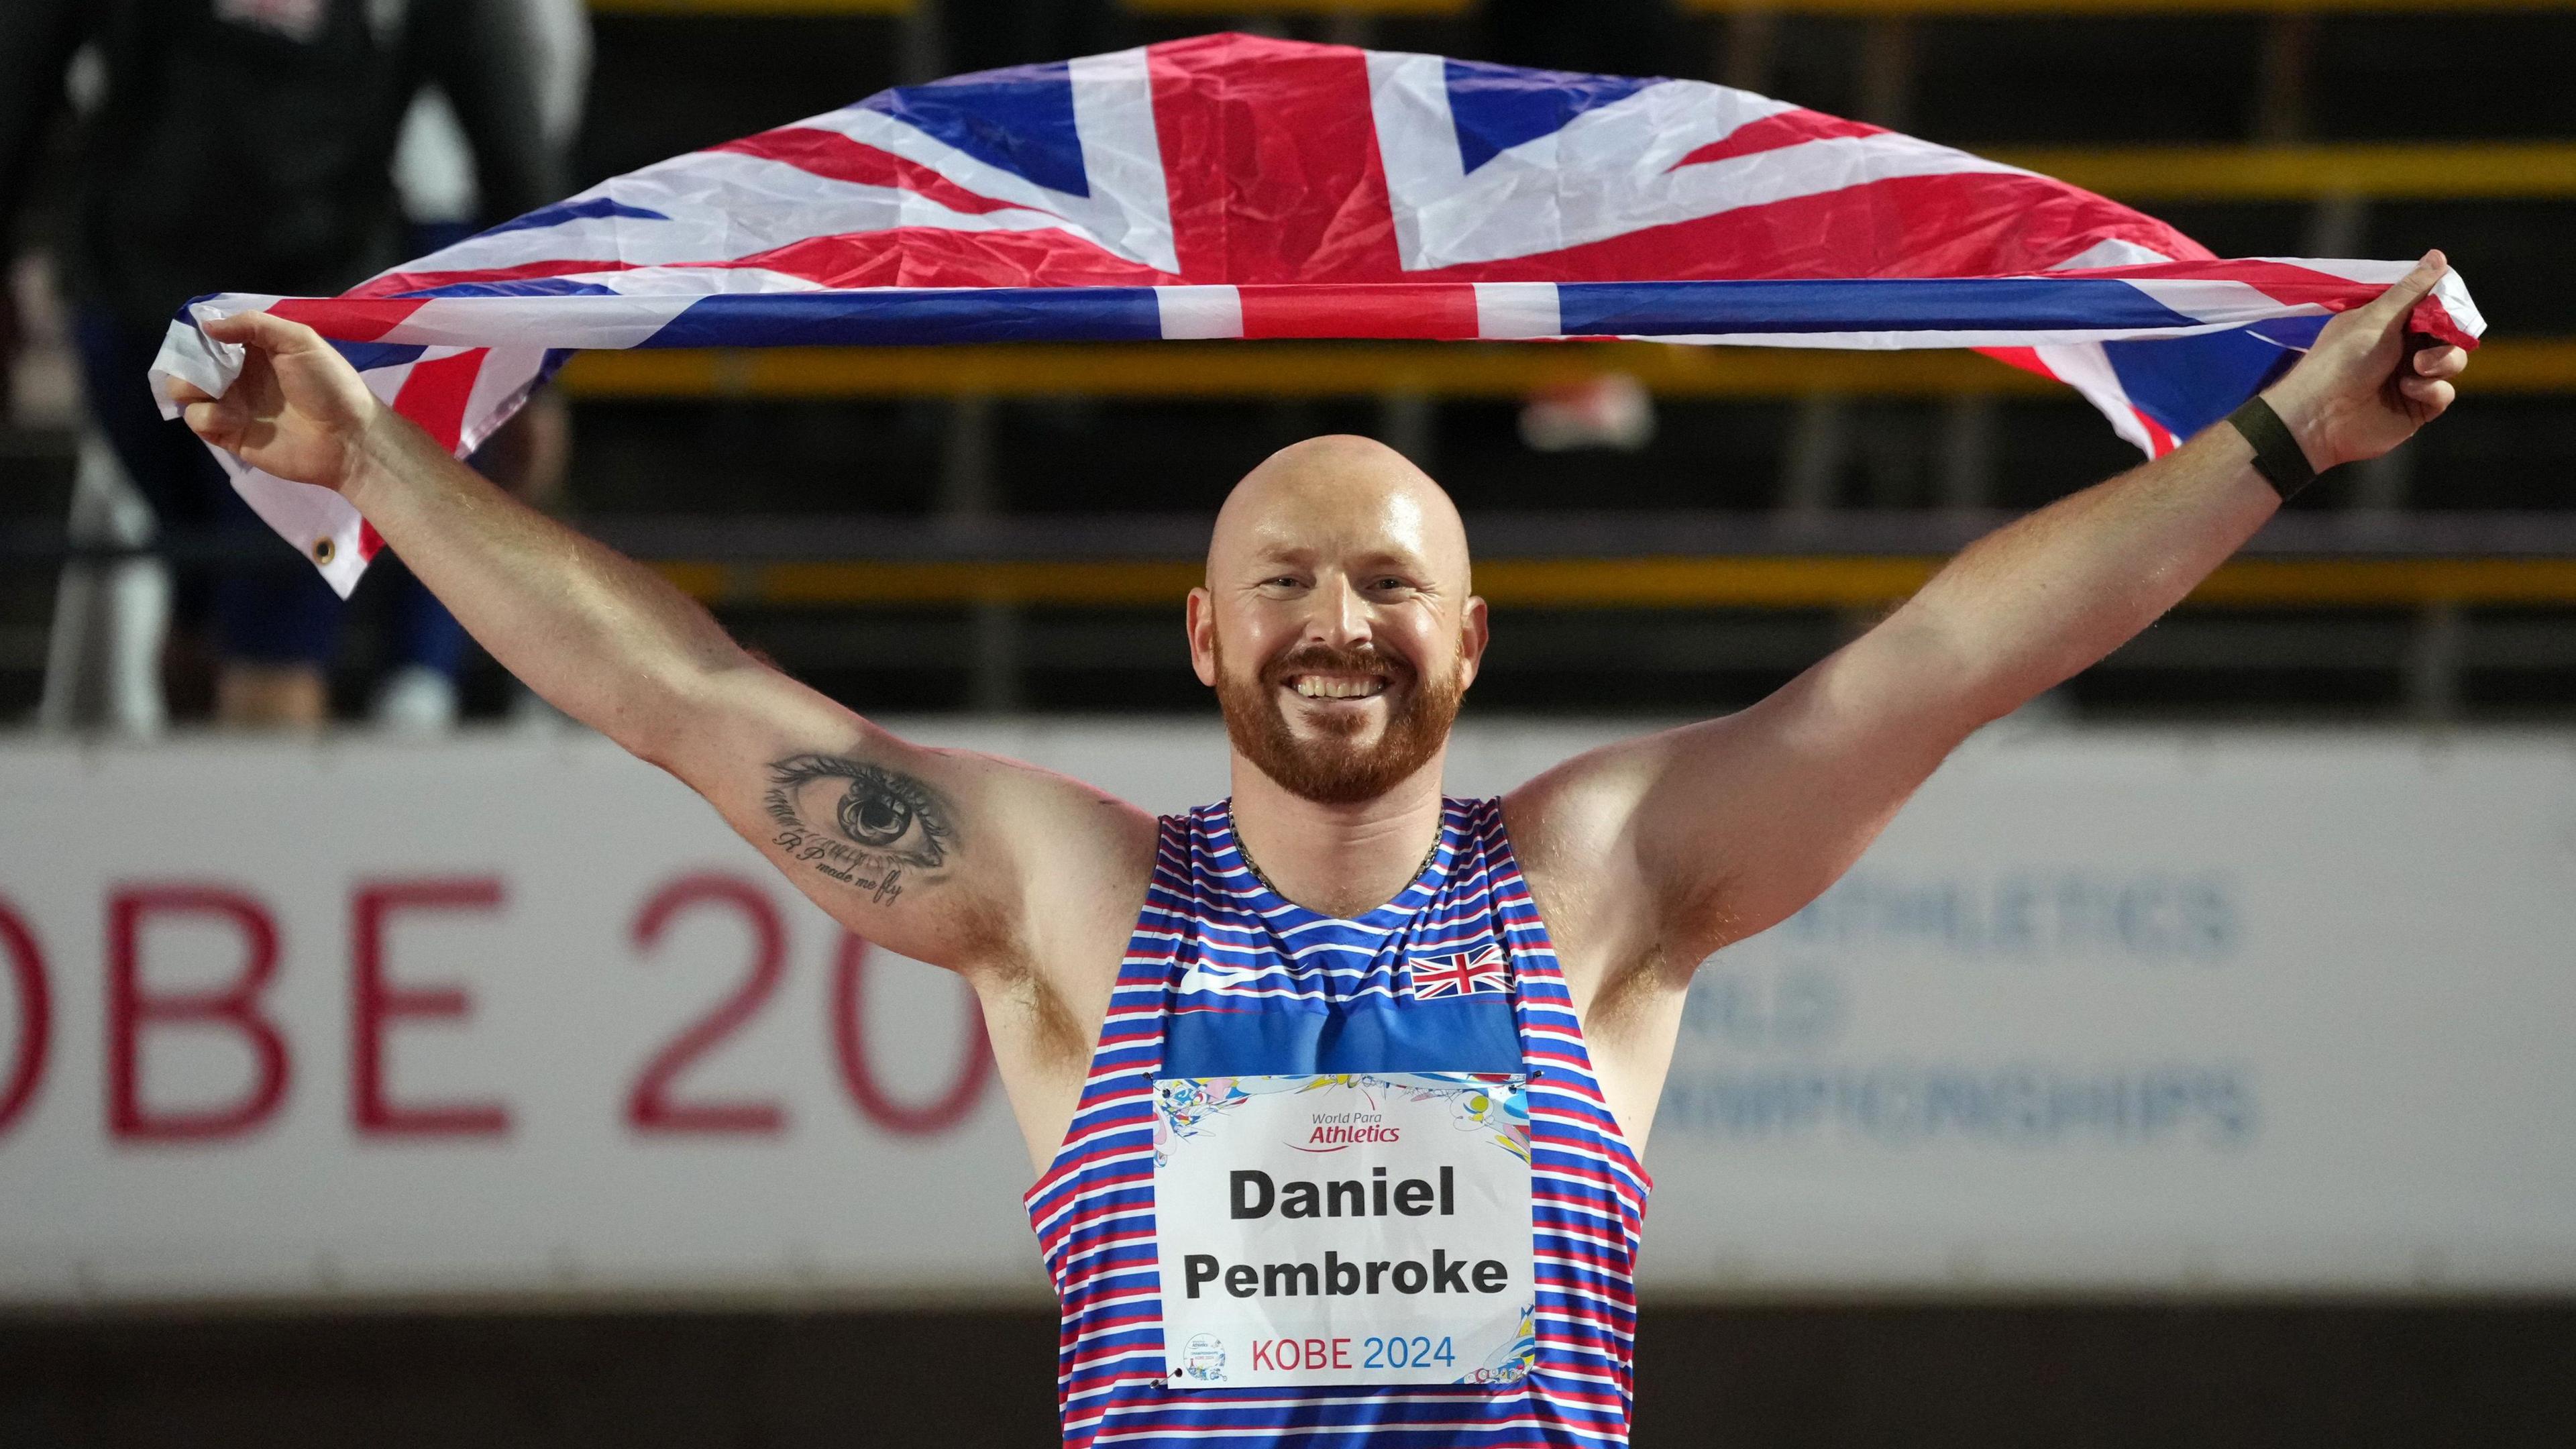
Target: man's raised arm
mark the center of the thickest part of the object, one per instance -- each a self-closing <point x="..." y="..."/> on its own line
<point x="1718" y="830"/>
<point x="928" y="852"/>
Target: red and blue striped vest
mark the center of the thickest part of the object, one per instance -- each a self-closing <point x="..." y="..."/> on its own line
<point x="1224" y="976"/>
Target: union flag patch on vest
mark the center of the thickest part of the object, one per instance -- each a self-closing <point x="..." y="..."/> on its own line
<point x="1466" y="973"/>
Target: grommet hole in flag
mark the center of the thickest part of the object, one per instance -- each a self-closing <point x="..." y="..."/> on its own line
<point x="1232" y="186"/>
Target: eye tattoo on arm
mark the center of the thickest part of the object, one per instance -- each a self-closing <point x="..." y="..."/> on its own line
<point x="863" y="825"/>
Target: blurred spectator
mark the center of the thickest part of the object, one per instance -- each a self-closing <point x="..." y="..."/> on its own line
<point x="246" y="145"/>
<point x="441" y="203"/>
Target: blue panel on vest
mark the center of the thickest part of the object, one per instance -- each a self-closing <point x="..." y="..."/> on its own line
<point x="1020" y="119"/>
<point x="1497" y="107"/>
<point x="1475" y="1033"/>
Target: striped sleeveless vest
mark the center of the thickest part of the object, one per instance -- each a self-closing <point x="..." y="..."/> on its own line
<point x="1224" y="976"/>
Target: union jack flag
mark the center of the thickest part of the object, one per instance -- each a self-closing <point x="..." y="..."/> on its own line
<point x="1232" y="186"/>
<point x="1468" y="973"/>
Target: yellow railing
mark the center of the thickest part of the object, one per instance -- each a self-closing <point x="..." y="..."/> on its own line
<point x="2485" y="171"/>
<point x="1220" y="370"/>
<point x="1274" y="369"/>
<point x="1637" y="583"/>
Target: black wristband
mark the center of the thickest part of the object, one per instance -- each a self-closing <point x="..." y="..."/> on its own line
<point x="2277" y="454"/>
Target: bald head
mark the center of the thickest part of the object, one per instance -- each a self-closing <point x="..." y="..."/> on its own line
<point x="1340" y="495"/>
<point x="1336" y="624"/>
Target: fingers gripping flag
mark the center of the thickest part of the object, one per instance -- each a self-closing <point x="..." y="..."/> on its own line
<point x="1231" y="186"/>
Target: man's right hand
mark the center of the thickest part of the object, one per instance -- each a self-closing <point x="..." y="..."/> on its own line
<point x="298" y="411"/>
<point x="1025" y="883"/>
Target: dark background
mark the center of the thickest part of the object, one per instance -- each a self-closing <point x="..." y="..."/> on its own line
<point x="2502" y="1376"/>
<point x="2381" y="1372"/>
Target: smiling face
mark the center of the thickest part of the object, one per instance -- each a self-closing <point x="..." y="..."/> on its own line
<point x="1336" y="625"/>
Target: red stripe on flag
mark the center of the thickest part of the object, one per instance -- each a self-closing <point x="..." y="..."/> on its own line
<point x="1296" y="192"/>
<point x="1977" y="224"/>
<point x="393" y="282"/>
<point x="903" y="256"/>
<point x="930" y="256"/>
<point x="836" y="157"/>
<point x="346" y="319"/>
<point x="435" y="393"/>
<point x="2434" y="320"/>
<point x="1789" y="128"/>
<point x="1444" y="311"/>
<point x="1186" y="125"/>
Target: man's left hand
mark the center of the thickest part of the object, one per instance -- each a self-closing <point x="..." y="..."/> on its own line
<point x="2365" y="387"/>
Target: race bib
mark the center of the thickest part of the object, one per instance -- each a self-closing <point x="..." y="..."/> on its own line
<point x="1361" y="1229"/>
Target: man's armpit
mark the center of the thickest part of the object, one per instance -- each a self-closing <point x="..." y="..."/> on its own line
<point x="874" y="829"/>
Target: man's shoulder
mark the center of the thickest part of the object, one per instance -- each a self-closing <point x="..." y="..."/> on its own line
<point x="1079" y="860"/>
<point x="1578" y="830"/>
<point x="1583" y="802"/>
<point x="1062" y="823"/>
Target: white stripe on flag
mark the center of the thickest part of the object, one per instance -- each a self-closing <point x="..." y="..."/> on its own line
<point x="195" y="358"/>
<point x="1611" y="171"/>
<point x="501" y="384"/>
<point x="724" y="205"/>
<point x="1517" y="309"/>
<point x="578" y="321"/>
<point x="2110" y="252"/>
<point x="1191" y="312"/>
<point x="2212" y="299"/>
<point x="2451" y="292"/>
<point x="1122" y="156"/>
<point x="1417" y="140"/>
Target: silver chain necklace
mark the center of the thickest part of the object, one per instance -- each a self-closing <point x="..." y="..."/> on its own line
<point x="1263" y="876"/>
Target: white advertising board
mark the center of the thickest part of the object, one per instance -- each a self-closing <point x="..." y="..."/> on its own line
<point x="2207" y="1012"/>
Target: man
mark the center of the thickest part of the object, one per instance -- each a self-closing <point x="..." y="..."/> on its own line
<point x="1462" y="1011"/>
<point x="249" y="142"/>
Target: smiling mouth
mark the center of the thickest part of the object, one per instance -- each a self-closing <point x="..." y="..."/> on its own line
<point x="1337" y="686"/>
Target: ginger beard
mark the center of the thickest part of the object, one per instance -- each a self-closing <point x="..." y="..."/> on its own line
<point x="1333" y="762"/>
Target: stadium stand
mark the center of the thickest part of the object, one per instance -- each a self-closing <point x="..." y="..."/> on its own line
<point x="987" y="527"/>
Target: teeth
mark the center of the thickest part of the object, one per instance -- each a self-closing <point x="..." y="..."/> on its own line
<point x="1316" y="686"/>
